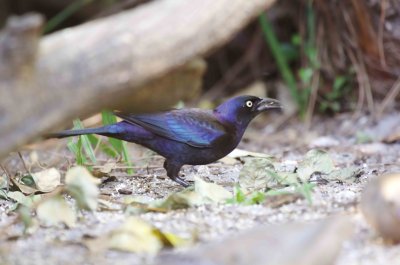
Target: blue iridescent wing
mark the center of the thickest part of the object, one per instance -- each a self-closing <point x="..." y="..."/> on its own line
<point x="197" y="128"/>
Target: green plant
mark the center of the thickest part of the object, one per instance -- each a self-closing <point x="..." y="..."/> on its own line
<point x="310" y="65"/>
<point x="300" y="93"/>
<point x="67" y="12"/>
<point x="303" y="83"/>
<point x="281" y="60"/>
<point x="340" y="88"/>
<point x="84" y="148"/>
<point x="304" y="188"/>
<point x="120" y="146"/>
<point x="239" y="197"/>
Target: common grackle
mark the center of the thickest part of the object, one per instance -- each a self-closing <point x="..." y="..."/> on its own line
<point x="186" y="136"/>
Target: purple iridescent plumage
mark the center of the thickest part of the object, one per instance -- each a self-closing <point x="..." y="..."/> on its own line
<point x="186" y="136"/>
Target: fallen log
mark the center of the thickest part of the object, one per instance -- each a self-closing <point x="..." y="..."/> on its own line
<point x="46" y="82"/>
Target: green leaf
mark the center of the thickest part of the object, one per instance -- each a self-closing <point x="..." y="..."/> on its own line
<point x="76" y="149"/>
<point x="240" y="197"/>
<point x="28" y="181"/>
<point x="127" y="160"/>
<point x="281" y="60"/>
<point x="306" y="75"/>
<point x="94" y="141"/>
<point x="296" y="39"/>
<point x="339" y="82"/>
<point x="3" y="194"/>
<point x="256" y="197"/>
<point x="306" y="190"/>
<point x="109" y="118"/>
<point x="20" y="198"/>
<point x="105" y="147"/>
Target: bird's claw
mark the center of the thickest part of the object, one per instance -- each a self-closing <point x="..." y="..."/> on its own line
<point x="181" y="182"/>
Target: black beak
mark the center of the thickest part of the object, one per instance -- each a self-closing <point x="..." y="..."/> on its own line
<point x="268" y="103"/>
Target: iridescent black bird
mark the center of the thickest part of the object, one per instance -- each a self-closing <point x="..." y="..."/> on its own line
<point x="186" y="136"/>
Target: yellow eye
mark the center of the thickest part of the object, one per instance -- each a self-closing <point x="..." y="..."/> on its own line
<point x="249" y="103"/>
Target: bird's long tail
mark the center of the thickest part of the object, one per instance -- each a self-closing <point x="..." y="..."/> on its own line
<point x="120" y="130"/>
<point x="67" y="133"/>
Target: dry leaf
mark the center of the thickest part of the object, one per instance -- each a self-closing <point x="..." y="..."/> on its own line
<point x="242" y="153"/>
<point x="393" y="137"/>
<point x="54" y="211"/>
<point x="47" y="180"/>
<point x="275" y="201"/>
<point x="256" y="174"/>
<point x="138" y="236"/>
<point x="23" y="188"/>
<point x="202" y="193"/>
<point x="232" y="157"/>
<point x="135" y="235"/>
<point x="210" y="192"/>
<point x="82" y="186"/>
<point x="104" y="170"/>
<point x="315" y="161"/>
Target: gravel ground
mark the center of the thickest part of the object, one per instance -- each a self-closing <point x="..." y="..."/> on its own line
<point x="58" y="245"/>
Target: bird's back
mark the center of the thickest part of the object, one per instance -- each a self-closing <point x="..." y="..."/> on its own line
<point x="195" y="127"/>
<point x="192" y="136"/>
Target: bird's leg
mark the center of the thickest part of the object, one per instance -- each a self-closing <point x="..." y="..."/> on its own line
<point x="173" y="172"/>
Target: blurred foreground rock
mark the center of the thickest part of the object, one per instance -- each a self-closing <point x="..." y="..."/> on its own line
<point x="44" y="83"/>
<point x="380" y="204"/>
<point x="301" y="244"/>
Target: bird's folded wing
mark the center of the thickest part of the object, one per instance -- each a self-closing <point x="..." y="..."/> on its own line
<point x="194" y="127"/>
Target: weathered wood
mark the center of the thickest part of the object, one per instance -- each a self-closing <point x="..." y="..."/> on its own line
<point x="81" y="70"/>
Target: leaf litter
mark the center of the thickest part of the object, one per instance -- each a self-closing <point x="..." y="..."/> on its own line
<point x="260" y="173"/>
<point x="268" y="177"/>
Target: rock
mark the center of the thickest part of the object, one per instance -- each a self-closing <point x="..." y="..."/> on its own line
<point x="380" y="204"/>
<point x="294" y="243"/>
<point x="372" y="148"/>
<point x="324" y="142"/>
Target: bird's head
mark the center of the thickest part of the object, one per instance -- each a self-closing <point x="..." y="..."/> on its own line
<point x="242" y="109"/>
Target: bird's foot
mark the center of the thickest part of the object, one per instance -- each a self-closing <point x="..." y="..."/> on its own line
<point x="181" y="181"/>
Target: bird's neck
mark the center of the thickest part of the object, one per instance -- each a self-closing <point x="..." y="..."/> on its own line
<point x="233" y="124"/>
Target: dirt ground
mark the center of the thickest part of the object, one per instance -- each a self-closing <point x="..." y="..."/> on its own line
<point x="342" y="136"/>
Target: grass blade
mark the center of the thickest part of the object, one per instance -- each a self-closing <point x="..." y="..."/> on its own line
<point x="109" y="118"/>
<point x="76" y="149"/>
<point x="65" y="14"/>
<point x="85" y="143"/>
<point x="120" y="146"/>
<point x="286" y="72"/>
